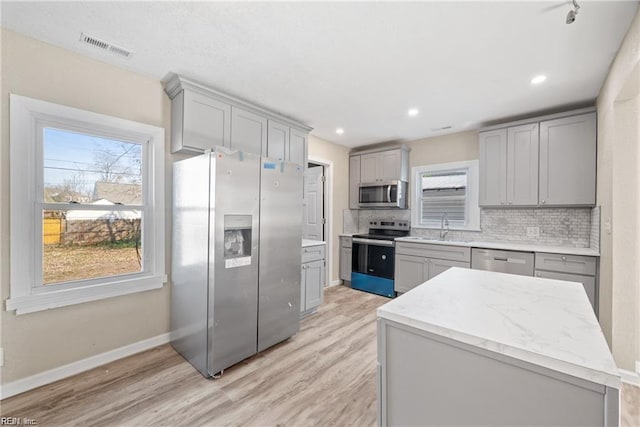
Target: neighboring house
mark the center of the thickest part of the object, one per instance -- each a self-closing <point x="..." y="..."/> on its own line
<point x="126" y="194"/>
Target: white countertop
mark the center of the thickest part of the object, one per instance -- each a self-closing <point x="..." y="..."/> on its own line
<point x="545" y="322"/>
<point x="307" y="243"/>
<point x="346" y="234"/>
<point x="506" y="246"/>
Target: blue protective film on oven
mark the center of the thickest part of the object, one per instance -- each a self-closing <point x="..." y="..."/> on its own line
<point x="372" y="284"/>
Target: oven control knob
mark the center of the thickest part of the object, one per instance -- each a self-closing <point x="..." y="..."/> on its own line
<point x="384" y="257"/>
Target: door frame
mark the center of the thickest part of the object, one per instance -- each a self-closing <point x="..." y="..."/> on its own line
<point x="328" y="223"/>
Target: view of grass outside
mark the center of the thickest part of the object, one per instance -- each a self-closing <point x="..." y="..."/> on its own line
<point x="62" y="263"/>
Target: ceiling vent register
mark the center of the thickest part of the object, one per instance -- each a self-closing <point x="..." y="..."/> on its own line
<point x="105" y="45"/>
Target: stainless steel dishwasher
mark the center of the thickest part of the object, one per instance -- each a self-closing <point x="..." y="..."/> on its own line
<point x="502" y="261"/>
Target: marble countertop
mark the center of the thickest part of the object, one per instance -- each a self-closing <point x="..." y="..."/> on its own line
<point x="506" y="246"/>
<point x="545" y="322"/>
<point x="307" y="243"/>
<point x="346" y="234"/>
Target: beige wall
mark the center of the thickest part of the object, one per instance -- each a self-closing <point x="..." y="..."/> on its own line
<point x="619" y="195"/>
<point x="47" y="339"/>
<point x="319" y="149"/>
<point x="455" y="147"/>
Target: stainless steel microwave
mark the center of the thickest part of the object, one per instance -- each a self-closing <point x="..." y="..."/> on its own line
<point x="387" y="194"/>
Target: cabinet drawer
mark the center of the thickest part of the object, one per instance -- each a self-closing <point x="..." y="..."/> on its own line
<point x="453" y="253"/>
<point x="589" y="282"/>
<point x="346" y="242"/>
<point x="566" y="263"/>
<point x="312" y="253"/>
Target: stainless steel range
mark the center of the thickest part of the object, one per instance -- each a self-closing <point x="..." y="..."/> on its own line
<point x="373" y="259"/>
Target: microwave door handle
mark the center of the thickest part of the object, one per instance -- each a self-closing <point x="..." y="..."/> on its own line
<point x="389" y="193"/>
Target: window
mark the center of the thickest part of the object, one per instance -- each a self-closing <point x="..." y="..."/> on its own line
<point x="448" y="190"/>
<point x="87" y="203"/>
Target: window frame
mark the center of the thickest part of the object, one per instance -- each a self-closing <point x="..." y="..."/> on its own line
<point x="472" y="208"/>
<point x="28" y="118"/>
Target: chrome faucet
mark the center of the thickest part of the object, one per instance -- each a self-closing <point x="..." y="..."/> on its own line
<point x="445" y="222"/>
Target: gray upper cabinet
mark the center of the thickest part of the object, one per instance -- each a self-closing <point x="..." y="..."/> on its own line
<point x="369" y="168"/>
<point x="568" y="161"/>
<point x="199" y="123"/>
<point x="522" y="165"/>
<point x="493" y="168"/>
<point x="203" y="118"/>
<point x="540" y="163"/>
<point x="388" y="165"/>
<point x="298" y="141"/>
<point x="277" y="140"/>
<point x="354" y="181"/>
<point x="248" y="131"/>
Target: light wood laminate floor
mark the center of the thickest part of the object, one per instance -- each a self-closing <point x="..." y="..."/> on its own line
<point x="323" y="376"/>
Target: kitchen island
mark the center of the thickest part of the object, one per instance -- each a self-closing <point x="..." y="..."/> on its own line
<point x="473" y="347"/>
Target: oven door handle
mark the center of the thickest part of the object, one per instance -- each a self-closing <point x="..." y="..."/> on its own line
<point x="388" y="193"/>
<point x="374" y="242"/>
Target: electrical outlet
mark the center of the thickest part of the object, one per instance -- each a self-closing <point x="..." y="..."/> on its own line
<point x="607" y="226"/>
<point x="1" y="356"/>
<point x="533" y="231"/>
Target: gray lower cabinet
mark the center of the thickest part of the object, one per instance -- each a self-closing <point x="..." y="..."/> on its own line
<point x="415" y="263"/>
<point x="571" y="268"/>
<point x="312" y="279"/>
<point x="432" y="380"/>
<point x="346" y="252"/>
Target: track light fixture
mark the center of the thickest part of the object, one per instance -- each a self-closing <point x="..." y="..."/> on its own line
<point x="571" y="16"/>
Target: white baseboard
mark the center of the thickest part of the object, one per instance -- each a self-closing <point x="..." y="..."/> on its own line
<point x="335" y="282"/>
<point x="630" y="377"/>
<point x="55" y="374"/>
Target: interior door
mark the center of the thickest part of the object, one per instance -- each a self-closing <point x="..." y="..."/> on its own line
<point x="313" y="212"/>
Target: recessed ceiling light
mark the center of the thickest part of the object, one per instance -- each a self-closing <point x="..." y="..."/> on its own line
<point x="339" y="131"/>
<point x="413" y="112"/>
<point x="538" y="79"/>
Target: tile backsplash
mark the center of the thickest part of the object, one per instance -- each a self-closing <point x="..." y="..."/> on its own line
<point x="573" y="227"/>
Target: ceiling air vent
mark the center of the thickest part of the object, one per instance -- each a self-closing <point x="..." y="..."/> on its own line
<point x="104" y="45"/>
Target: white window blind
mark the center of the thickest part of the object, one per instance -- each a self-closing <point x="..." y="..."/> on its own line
<point x="444" y="193"/>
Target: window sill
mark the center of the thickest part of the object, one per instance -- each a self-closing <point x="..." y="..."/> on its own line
<point x="60" y="298"/>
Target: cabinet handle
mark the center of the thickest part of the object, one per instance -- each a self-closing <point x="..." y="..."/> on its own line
<point x="510" y="202"/>
<point x="542" y="201"/>
<point x="539" y="274"/>
<point x="564" y="258"/>
<point x="501" y="202"/>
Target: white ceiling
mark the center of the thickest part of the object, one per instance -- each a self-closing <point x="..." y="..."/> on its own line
<point x="360" y="65"/>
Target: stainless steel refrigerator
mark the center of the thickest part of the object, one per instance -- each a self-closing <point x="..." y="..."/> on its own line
<point x="235" y="270"/>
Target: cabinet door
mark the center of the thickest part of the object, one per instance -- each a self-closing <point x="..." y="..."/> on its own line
<point x="568" y="161"/>
<point x="345" y="263"/>
<point x="277" y="140"/>
<point x="369" y="168"/>
<point x="354" y="181"/>
<point x="298" y="147"/>
<point x="390" y="162"/>
<point x="437" y="266"/>
<point x="314" y="283"/>
<point x="589" y="283"/>
<point x="204" y="122"/>
<point x="493" y="168"/>
<point x="248" y="132"/>
<point x="410" y="271"/>
<point x="522" y="165"/>
<point x="303" y="287"/>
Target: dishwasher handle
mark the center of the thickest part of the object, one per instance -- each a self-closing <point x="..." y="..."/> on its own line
<point x="496" y="258"/>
